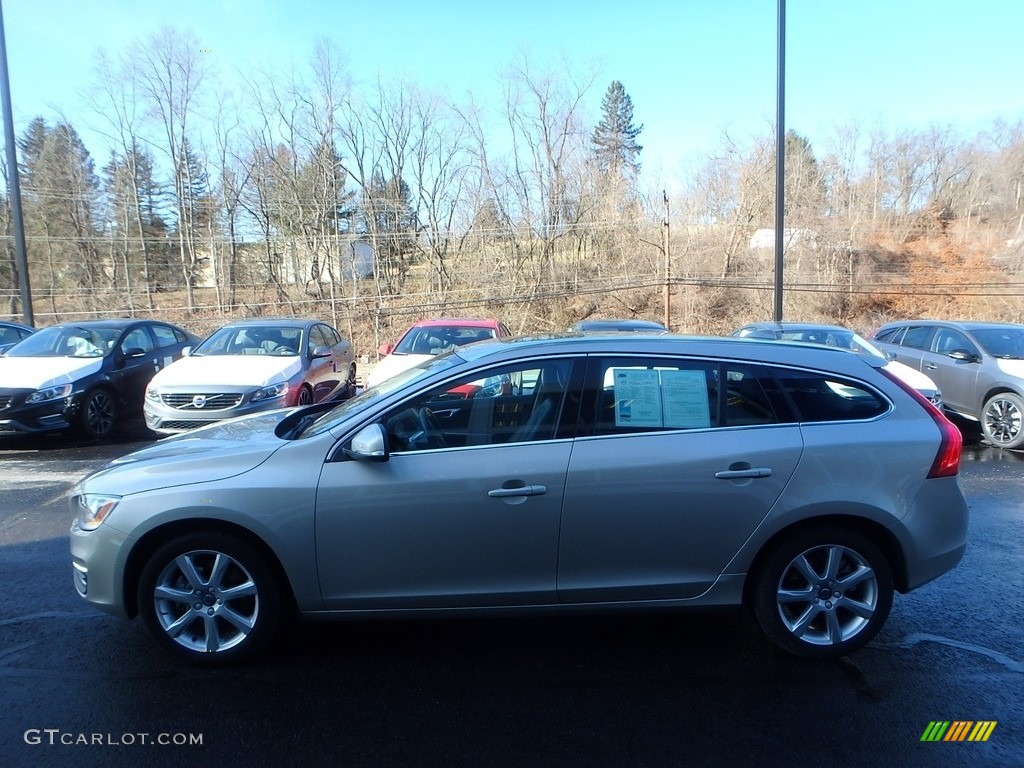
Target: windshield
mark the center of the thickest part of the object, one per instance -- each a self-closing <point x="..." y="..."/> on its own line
<point x="435" y="339"/>
<point x="1005" y="343"/>
<point x="835" y="338"/>
<point x="252" y="340"/>
<point x="398" y="381"/>
<point x="67" y="341"/>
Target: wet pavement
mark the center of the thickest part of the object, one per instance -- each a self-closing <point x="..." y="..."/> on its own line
<point x="81" y="688"/>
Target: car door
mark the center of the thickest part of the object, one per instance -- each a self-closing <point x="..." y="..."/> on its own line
<point x="441" y="526"/>
<point x="323" y="375"/>
<point x="957" y="377"/>
<point x="683" y="460"/>
<point x="908" y="347"/>
<point x="135" y="362"/>
<point x="170" y="342"/>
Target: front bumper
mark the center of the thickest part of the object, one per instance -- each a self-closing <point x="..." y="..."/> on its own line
<point x="186" y="414"/>
<point x="20" y="418"/>
<point x="97" y="560"/>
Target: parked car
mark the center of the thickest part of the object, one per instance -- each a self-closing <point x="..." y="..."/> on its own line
<point x="612" y="324"/>
<point x="251" y="365"/>
<point x="623" y="471"/>
<point x="12" y="333"/>
<point x="980" y="367"/>
<point x="85" y="375"/>
<point x="428" y="338"/>
<point x="837" y="336"/>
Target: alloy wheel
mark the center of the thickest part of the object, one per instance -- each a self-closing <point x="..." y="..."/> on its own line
<point x="206" y="601"/>
<point x="99" y="413"/>
<point x="1002" y="421"/>
<point x="827" y="595"/>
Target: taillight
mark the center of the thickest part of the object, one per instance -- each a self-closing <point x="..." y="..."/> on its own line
<point x="947" y="460"/>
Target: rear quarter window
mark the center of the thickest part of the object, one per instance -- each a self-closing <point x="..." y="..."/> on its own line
<point x="889" y="335"/>
<point x="820" y="397"/>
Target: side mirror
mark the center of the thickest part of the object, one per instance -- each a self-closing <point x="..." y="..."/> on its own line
<point x="321" y="351"/>
<point x="384" y="350"/>
<point x="369" y="444"/>
<point x="964" y="355"/>
<point x="186" y="351"/>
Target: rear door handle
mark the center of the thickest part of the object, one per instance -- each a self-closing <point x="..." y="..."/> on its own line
<point x="523" y="490"/>
<point x="930" y="366"/>
<point x="739" y="474"/>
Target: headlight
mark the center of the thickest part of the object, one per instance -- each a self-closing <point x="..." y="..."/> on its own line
<point x="50" y="393"/>
<point x="153" y="394"/>
<point x="91" y="509"/>
<point x="267" y="393"/>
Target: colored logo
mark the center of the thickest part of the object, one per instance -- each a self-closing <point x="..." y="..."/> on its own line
<point x="959" y="730"/>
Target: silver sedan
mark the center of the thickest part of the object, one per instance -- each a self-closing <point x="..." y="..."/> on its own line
<point x="606" y="472"/>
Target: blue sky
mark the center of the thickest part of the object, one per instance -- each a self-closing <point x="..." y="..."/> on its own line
<point x="692" y="67"/>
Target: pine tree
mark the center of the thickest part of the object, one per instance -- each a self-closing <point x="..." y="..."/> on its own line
<point x="60" y="205"/>
<point x="805" y="186"/>
<point x="614" y="141"/>
<point x="390" y="220"/>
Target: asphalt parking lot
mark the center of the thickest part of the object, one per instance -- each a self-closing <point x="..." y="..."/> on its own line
<point x="82" y="688"/>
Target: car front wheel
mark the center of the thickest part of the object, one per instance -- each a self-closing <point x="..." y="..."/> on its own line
<point x="209" y="598"/>
<point x="97" y="413"/>
<point x="823" y="593"/>
<point x="1001" y="420"/>
<point x="351" y="382"/>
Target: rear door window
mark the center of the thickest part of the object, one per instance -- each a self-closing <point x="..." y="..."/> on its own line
<point x="917" y="336"/>
<point x="651" y="394"/>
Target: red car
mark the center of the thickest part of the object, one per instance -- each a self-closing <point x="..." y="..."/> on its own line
<point x="432" y="337"/>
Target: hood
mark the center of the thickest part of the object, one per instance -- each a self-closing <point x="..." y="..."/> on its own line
<point x="1012" y="368"/>
<point x="919" y="381"/>
<point x="216" y="452"/>
<point x="228" y="370"/>
<point x="42" y="372"/>
<point x="391" y="365"/>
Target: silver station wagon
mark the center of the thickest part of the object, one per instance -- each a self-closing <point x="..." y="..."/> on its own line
<point x="590" y="472"/>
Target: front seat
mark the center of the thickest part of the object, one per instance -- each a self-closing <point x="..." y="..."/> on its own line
<point x="540" y="424"/>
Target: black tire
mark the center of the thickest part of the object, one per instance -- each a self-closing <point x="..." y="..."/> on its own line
<point x="351" y="383"/>
<point x="305" y="396"/>
<point x="789" y="593"/>
<point x="98" y="413"/>
<point x="1002" y="420"/>
<point x="233" y="610"/>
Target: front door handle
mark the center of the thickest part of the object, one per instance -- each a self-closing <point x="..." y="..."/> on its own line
<point x="739" y="474"/>
<point x="931" y="366"/>
<point x="523" y="490"/>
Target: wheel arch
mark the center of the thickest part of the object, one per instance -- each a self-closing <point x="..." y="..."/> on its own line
<point x="998" y="389"/>
<point x="154" y="539"/>
<point x="883" y="538"/>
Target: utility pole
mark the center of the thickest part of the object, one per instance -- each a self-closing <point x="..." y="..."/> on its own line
<point x="14" y="187"/>
<point x="780" y="161"/>
<point x="668" y="264"/>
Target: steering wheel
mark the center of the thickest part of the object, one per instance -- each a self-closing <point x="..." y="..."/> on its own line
<point x="431" y="428"/>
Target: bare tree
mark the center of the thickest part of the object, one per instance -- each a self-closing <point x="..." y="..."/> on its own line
<point x="168" y="71"/>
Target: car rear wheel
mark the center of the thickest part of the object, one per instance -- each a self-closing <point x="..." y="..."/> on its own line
<point x="209" y="598"/>
<point x="97" y="413"/>
<point x="823" y="593"/>
<point x="1001" y="420"/>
